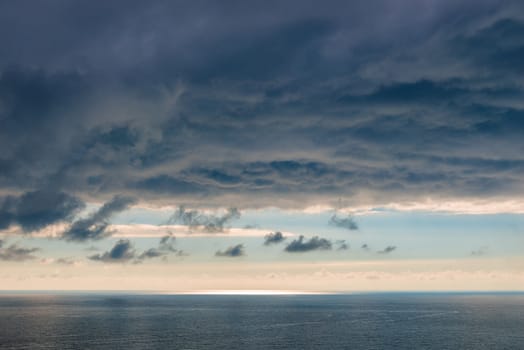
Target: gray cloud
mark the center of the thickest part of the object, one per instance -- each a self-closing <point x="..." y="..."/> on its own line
<point x="151" y="253"/>
<point x="167" y="243"/>
<point x="95" y="226"/>
<point x="181" y="253"/>
<point x="387" y="250"/>
<point x="165" y="247"/>
<point x="314" y="243"/>
<point x="365" y="246"/>
<point x="274" y="238"/>
<point x="327" y="107"/>
<point x="232" y="252"/>
<point x="35" y="210"/>
<point x="65" y="261"/>
<point x="480" y="251"/>
<point x="342" y="245"/>
<point x="122" y="251"/>
<point x="16" y="253"/>
<point x="348" y="222"/>
<point x="207" y="222"/>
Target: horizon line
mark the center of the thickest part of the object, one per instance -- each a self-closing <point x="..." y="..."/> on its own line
<point x="248" y="292"/>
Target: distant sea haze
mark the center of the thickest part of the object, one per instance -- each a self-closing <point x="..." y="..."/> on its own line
<point x="361" y="321"/>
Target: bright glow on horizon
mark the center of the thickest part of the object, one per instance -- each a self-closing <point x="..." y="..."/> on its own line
<point x="249" y="292"/>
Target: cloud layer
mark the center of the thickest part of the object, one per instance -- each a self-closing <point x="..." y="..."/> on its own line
<point x="279" y="104"/>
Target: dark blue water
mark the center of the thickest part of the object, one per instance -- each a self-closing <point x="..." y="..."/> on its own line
<point x="376" y="321"/>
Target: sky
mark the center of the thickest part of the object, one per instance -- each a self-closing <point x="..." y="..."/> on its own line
<point x="306" y="146"/>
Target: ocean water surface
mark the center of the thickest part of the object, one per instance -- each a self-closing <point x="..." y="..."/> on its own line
<point x="360" y="321"/>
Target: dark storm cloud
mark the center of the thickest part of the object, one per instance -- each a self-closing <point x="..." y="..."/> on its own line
<point x="232" y="252"/>
<point x="348" y="222"/>
<point x="314" y="243"/>
<point x="274" y="238"/>
<point x="37" y="209"/>
<point x="95" y="225"/>
<point x="168" y="184"/>
<point x="498" y="46"/>
<point x="387" y="250"/>
<point x="16" y="253"/>
<point x="201" y="221"/>
<point x="122" y="251"/>
<point x="283" y="104"/>
<point x="421" y="92"/>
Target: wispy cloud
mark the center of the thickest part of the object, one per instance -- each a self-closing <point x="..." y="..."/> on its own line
<point x="166" y="246"/>
<point x="16" y="253"/>
<point x="95" y="225"/>
<point x="167" y="243"/>
<point x="387" y="250"/>
<point x="151" y="253"/>
<point x="66" y="261"/>
<point x="342" y="245"/>
<point x="195" y="219"/>
<point x="347" y="222"/>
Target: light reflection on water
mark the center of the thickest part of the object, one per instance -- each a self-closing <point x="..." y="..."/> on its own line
<point x="374" y="321"/>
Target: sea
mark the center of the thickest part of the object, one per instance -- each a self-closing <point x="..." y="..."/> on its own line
<point x="455" y="321"/>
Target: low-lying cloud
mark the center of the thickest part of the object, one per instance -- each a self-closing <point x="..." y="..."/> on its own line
<point x="94" y="227"/>
<point x="232" y="252"/>
<point x="480" y="251"/>
<point x="315" y="243"/>
<point x="16" y="253"/>
<point x="167" y="243"/>
<point x="387" y="250"/>
<point x="166" y="246"/>
<point x="196" y="220"/>
<point x="347" y="222"/>
<point x="65" y="261"/>
<point x="342" y="245"/>
<point x="274" y="238"/>
<point x="122" y="251"/>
